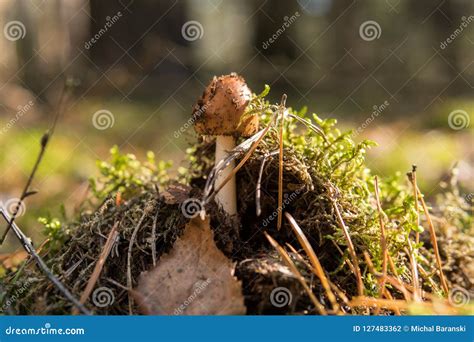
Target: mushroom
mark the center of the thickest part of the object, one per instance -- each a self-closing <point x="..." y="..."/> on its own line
<point x="220" y="113"/>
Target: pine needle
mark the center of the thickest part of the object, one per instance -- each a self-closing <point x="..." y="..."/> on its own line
<point x="383" y="240"/>
<point x="317" y="268"/>
<point x="350" y="245"/>
<point x="286" y="258"/>
<point x="280" y="164"/>
<point x="99" y="266"/>
<point x="434" y="242"/>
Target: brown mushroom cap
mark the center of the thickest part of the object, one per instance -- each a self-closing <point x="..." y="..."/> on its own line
<point x="220" y="109"/>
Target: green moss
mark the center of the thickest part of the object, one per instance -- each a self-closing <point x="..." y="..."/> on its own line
<point x="322" y="164"/>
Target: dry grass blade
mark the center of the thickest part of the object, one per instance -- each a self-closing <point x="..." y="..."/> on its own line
<point x="286" y="258"/>
<point x="429" y="279"/>
<point x="434" y="242"/>
<point x="412" y="177"/>
<point x="346" y="261"/>
<point x="280" y="163"/>
<point x="339" y="292"/>
<point x="350" y="245"/>
<point x="129" y="259"/>
<point x="434" y="307"/>
<point x="383" y="240"/>
<point x="395" y="282"/>
<point x="311" y="126"/>
<point x="414" y="270"/>
<point x="392" y="268"/>
<point x="243" y="161"/>
<point x="111" y="238"/>
<point x="258" y="190"/>
<point x="383" y="290"/>
<point x="390" y="304"/>
<point x="317" y="268"/>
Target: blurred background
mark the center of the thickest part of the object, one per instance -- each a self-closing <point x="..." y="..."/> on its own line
<point x="399" y="72"/>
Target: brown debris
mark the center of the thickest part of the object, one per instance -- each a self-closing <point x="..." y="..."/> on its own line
<point x="194" y="278"/>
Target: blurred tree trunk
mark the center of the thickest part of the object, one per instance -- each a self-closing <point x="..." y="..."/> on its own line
<point x="348" y="72"/>
<point x="443" y="22"/>
<point x="28" y="69"/>
<point x="141" y="25"/>
<point x="269" y="17"/>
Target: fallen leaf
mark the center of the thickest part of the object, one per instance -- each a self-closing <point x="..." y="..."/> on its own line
<point x="194" y="278"/>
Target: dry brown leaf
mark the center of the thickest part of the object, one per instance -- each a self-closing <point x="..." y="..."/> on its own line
<point x="195" y="278"/>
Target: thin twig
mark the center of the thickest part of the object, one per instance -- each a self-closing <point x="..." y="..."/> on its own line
<point x="280" y="163"/>
<point x="129" y="259"/>
<point x="434" y="242"/>
<point x="383" y="241"/>
<point x="384" y="291"/>
<point x="345" y="260"/>
<point x="111" y="238"/>
<point x="26" y="243"/>
<point x="317" y="268"/>
<point x="350" y="245"/>
<point x="311" y="126"/>
<point x="258" y="190"/>
<point x="153" y="238"/>
<point x="43" y="143"/>
<point x="294" y="270"/>
<point x="312" y="269"/>
<point x="241" y="163"/>
<point x="393" y="304"/>
<point x="429" y="279"/>
<point x="411" y="252"/>
<point x="412" y="177"/>
<point x="389" y="304"/>
<point x="340" y="293"/>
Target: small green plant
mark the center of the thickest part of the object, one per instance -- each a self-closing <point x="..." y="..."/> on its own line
<point x="53" y="231"/>
<point x="125" y="174"/>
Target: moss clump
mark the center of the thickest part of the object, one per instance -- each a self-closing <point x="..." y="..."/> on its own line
<point x="321" y="166"/>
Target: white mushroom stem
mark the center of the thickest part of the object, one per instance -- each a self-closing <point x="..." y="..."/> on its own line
<point x="226" y="197"/>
